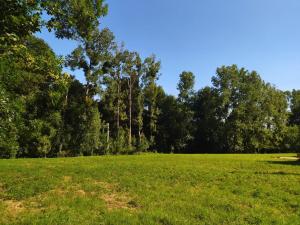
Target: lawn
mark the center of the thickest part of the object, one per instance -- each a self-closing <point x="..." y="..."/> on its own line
<point x="151" y="189"/>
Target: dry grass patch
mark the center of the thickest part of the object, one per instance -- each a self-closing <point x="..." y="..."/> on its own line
<point x="67" y="178"/>
<point x="116" y="201"/>
<point x="105" y="185"/>
<point x="81" y="193"/>
<point x="13" y="208"/>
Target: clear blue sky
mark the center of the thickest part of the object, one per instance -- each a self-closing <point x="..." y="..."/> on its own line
<point x="200" y="35"/>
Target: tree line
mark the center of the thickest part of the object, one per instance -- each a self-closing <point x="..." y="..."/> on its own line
<point x="121" y="109"/>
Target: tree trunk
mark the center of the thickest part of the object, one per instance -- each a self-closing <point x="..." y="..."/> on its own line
<point x="130" y="108"/>
<point x="118" y="109"/>
<point x="63" y="122"/>
<point x="60" y="148"/>
<point x="107" y="138"/>
<point x="87" y="90"/>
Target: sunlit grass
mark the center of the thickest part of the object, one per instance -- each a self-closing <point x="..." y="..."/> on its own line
<point x="151" y="189"/>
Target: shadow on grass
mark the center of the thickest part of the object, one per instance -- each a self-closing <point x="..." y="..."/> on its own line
<point x="282" y="173"/>
<point x="290" y="162"/>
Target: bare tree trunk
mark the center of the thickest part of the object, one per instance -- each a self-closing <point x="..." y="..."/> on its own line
<point x="107" y="140"/>
<point x="63" y="122"/>
<point x="130" y="108"/>
<point x="87" y="90"/>
<point x="60" y="148"/>
<point x="118" y="109"/>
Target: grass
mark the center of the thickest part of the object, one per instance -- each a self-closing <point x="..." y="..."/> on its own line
<point x="151" y="189"/>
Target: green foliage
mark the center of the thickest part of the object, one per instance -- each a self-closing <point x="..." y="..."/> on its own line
<point x="120" y="145"/>
<point x="91" y="55"/>
<point x="253" y="113"/>
<point x="208" y="135"/>
<point x="173" y="134"/>
<point x="295" y="107"/>
<point x="185" y="86"/>
<point x="74" y="19"/>
<point x="18" y="19"/>
<point x="8" y="129"/>
<point x="151" y="69"/>
<point x="91" y="136"/>
<point x="121" y="109"/>
<point x="291" y="140"/>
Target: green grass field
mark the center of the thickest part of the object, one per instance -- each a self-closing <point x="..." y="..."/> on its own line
<point x="151" y="189"/>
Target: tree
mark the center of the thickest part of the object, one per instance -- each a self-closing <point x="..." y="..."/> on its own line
<point x="295" y="108"/>
<point x="18" y="19"/>
<point x="171" y="130"/>
<point x="151" y="69"/>
<point x="186" y="92"/>
<point x="185" y="86"/>
<point x="8" y="126"/>
<point x="91" y="137"/>
<point x="91" y="57"/>
<point x="132" y="69"/>
<point x="112" y="98"/>
<point x="253" y="112"/>
<point x="74" y="124"/>
<point x="209" y="128"/>
<point x="38" y="102"/>
<point x="74" y="19"/>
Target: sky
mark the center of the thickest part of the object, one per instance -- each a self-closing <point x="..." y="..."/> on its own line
<point x="201" y="35"/>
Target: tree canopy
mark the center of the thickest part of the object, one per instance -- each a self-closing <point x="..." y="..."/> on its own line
<point x="121" y="109"/>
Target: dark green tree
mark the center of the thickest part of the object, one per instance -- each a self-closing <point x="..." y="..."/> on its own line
<point x="295" y="107"/>
<point x="209" y="127"/>
<point x="151" y="69"/>
<point x="133" y="71"/>
<point x="171" y="133"/>
<point x="185" y="86"/>
<point x="253" y="112"/>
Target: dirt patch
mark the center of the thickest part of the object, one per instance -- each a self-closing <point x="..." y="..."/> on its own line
<point x="115" y="201"/>
<point x="195" y="189"/>
<point x="80" y="193"/>
<point x="57" y="191"/>
<point x="70" y="191"/>
<point x="104" y="185"/>
<point x="67" y="178"/>
<point x="14" y="207"/>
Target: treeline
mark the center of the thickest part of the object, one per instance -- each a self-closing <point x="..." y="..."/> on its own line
<point x="121" y="109"/>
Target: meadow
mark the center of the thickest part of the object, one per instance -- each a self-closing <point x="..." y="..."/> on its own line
<point x="151" y="189"/>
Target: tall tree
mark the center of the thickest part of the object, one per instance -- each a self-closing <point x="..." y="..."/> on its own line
<point x="209" y="126"/>
<point x="90" y="56"/>
<point x="185" y="86"/>
<point x="8" y="126"/>
<point x="133" y="70"/>
<point x="253" y="113"/>
<point x="112" y="97"/>
<point x="18" y="19"/>
<point x="172" y="131"/>
<point x="295" y="107"/>
<point x="186" y="92"/>
<point x="74" y="19"/>
<point x="151" y="69"/>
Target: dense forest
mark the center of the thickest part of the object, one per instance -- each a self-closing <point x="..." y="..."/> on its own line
<point x="121" y="109"/>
